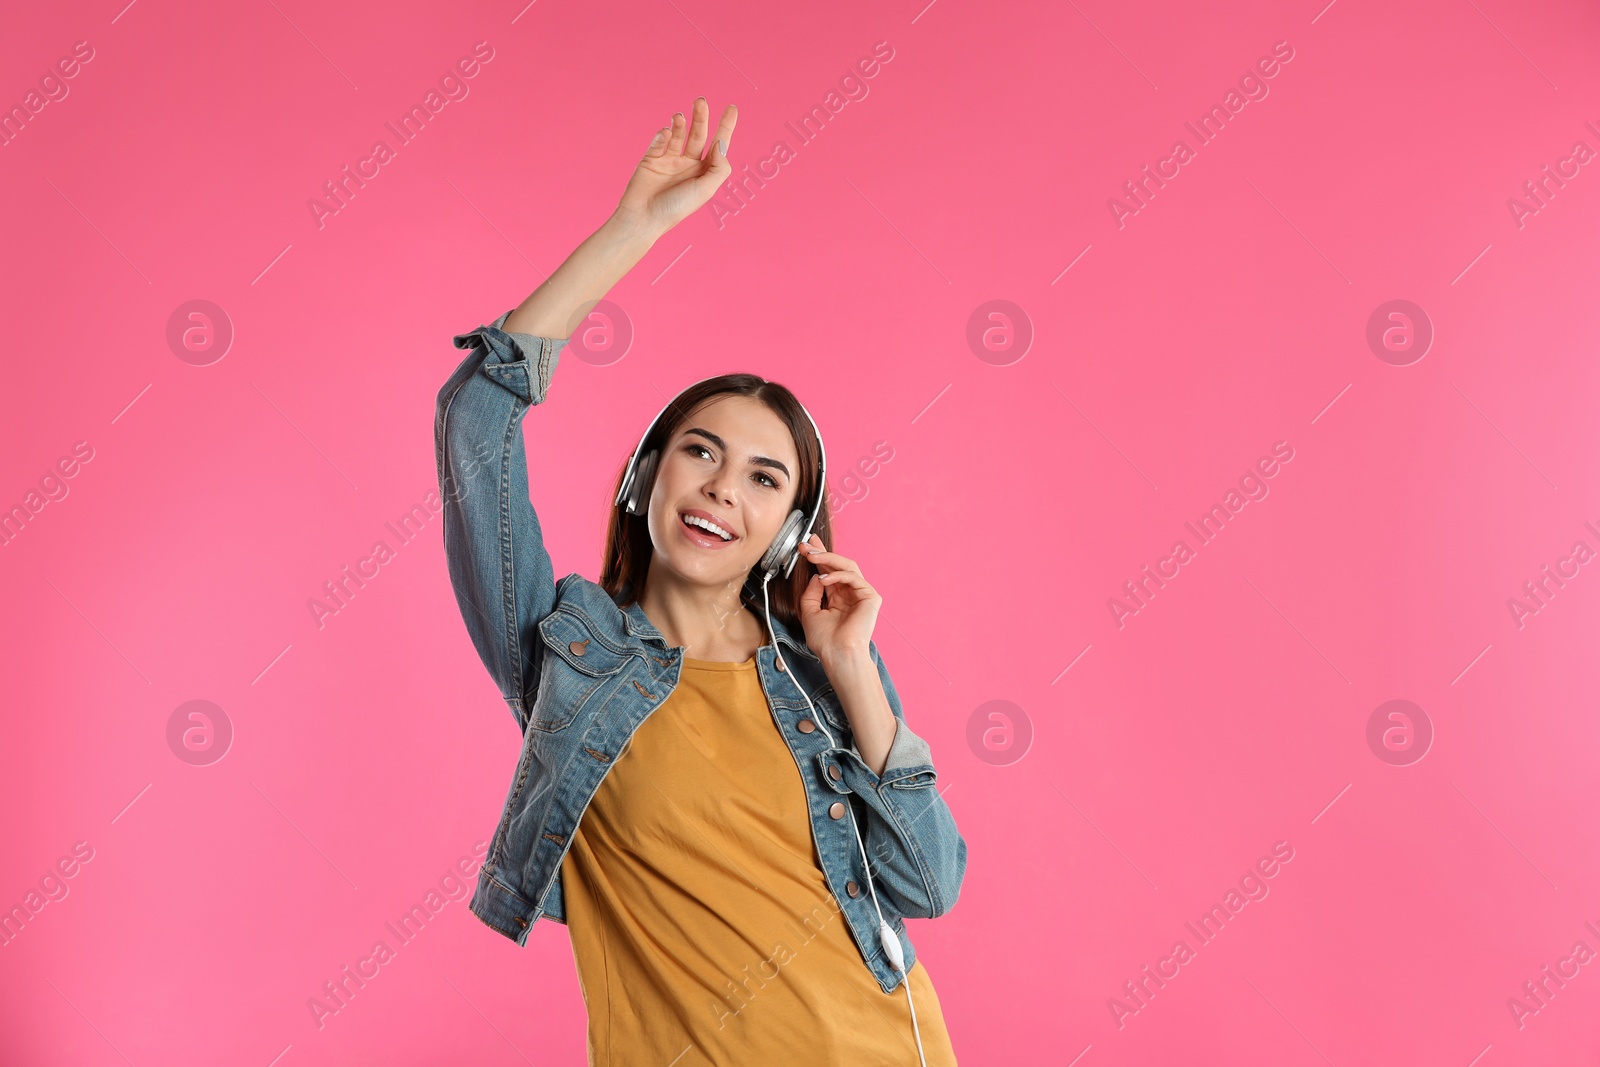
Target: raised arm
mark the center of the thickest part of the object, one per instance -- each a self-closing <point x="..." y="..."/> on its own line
<point x="494" y="547"/>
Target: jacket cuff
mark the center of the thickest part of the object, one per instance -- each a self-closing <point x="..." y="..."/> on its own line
<point x="523" y="363"/>
<point x="910" y="760"/>
<point x="501" y="908"/>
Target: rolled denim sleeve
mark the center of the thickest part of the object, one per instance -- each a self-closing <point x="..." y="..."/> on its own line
<point x="494" y="547"/>
<point x="912" y="843"/>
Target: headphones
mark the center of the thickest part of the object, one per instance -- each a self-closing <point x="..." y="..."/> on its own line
<point x="781" y="555"/>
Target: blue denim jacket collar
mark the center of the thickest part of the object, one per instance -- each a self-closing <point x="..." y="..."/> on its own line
<point x="638" y="625"/>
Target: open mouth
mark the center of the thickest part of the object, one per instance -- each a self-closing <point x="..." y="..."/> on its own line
<point x="705" y="531"/>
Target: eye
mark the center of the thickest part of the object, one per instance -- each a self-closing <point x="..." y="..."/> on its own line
<point x="693" y="446"/>
<point x="769" y="483"/>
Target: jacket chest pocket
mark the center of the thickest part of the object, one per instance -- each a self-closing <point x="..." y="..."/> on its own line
<point x="577" y="666"/>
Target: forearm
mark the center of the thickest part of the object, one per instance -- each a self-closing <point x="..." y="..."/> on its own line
<point x="860" y="690"/>
<point x="559" y="305"/>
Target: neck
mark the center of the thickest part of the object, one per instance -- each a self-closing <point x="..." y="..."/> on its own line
<point x="708" y="622"/>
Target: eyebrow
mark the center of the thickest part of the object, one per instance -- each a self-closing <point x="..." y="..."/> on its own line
<point x="760" y="461"/>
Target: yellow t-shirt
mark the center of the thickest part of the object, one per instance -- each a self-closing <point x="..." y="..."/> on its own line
<point x="701" y="924"/>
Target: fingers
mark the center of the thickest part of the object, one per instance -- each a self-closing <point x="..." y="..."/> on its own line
<point x="697" y="128"/>
<point x="730" y="116"/>
<point x="821" y="557"/>
<point x="679" y="132"/>
<point x="658" y="143"/>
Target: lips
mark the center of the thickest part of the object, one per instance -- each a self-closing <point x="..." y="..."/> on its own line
<point x="702" y="537"/>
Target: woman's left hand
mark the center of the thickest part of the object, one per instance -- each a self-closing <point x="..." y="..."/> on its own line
<point x="845" y="625"/>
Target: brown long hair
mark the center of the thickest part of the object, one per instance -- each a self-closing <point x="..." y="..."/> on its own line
<point x="628" y="548"/>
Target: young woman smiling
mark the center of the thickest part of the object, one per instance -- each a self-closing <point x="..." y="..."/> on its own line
<point x="717" y="793"/>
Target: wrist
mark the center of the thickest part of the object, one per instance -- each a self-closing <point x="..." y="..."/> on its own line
<point x="848" y="660"/>
<point x="630" y="227"/>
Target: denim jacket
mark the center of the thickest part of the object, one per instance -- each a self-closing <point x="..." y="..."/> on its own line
<point x="580" y="673"/>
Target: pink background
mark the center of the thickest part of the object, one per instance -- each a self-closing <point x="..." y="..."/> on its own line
<point x="1230" y="313"/>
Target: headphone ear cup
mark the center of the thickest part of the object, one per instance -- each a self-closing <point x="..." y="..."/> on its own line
<point x="783" y="552"/>
<point x="644" y="477"/>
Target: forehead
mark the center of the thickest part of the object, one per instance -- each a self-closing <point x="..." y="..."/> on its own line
<point x="746" y="425"/>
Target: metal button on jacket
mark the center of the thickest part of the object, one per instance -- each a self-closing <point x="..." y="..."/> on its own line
<point x="578" y="647"/>
<point x="781" y="667"/>
<point x="853" y="889"/>
<point x="833" y="771"/>
<point x="836" y="809"/>
<point x="806" y="726"/>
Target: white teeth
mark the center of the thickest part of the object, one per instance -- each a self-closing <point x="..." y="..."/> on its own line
<point x="695" y="520"/>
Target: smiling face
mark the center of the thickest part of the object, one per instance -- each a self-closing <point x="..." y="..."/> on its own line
<point x="732" y="464"/>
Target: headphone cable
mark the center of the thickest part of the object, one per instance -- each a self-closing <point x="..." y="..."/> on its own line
<point x="886" y="935"/>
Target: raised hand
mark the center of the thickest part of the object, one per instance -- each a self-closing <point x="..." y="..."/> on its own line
<point x="673" y="181"/>
<point x="845" y="626"/>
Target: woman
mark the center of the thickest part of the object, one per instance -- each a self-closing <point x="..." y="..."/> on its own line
<point x="711" y="862"/>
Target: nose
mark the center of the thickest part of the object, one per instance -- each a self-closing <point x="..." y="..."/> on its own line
<point x="720" y="485"/>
